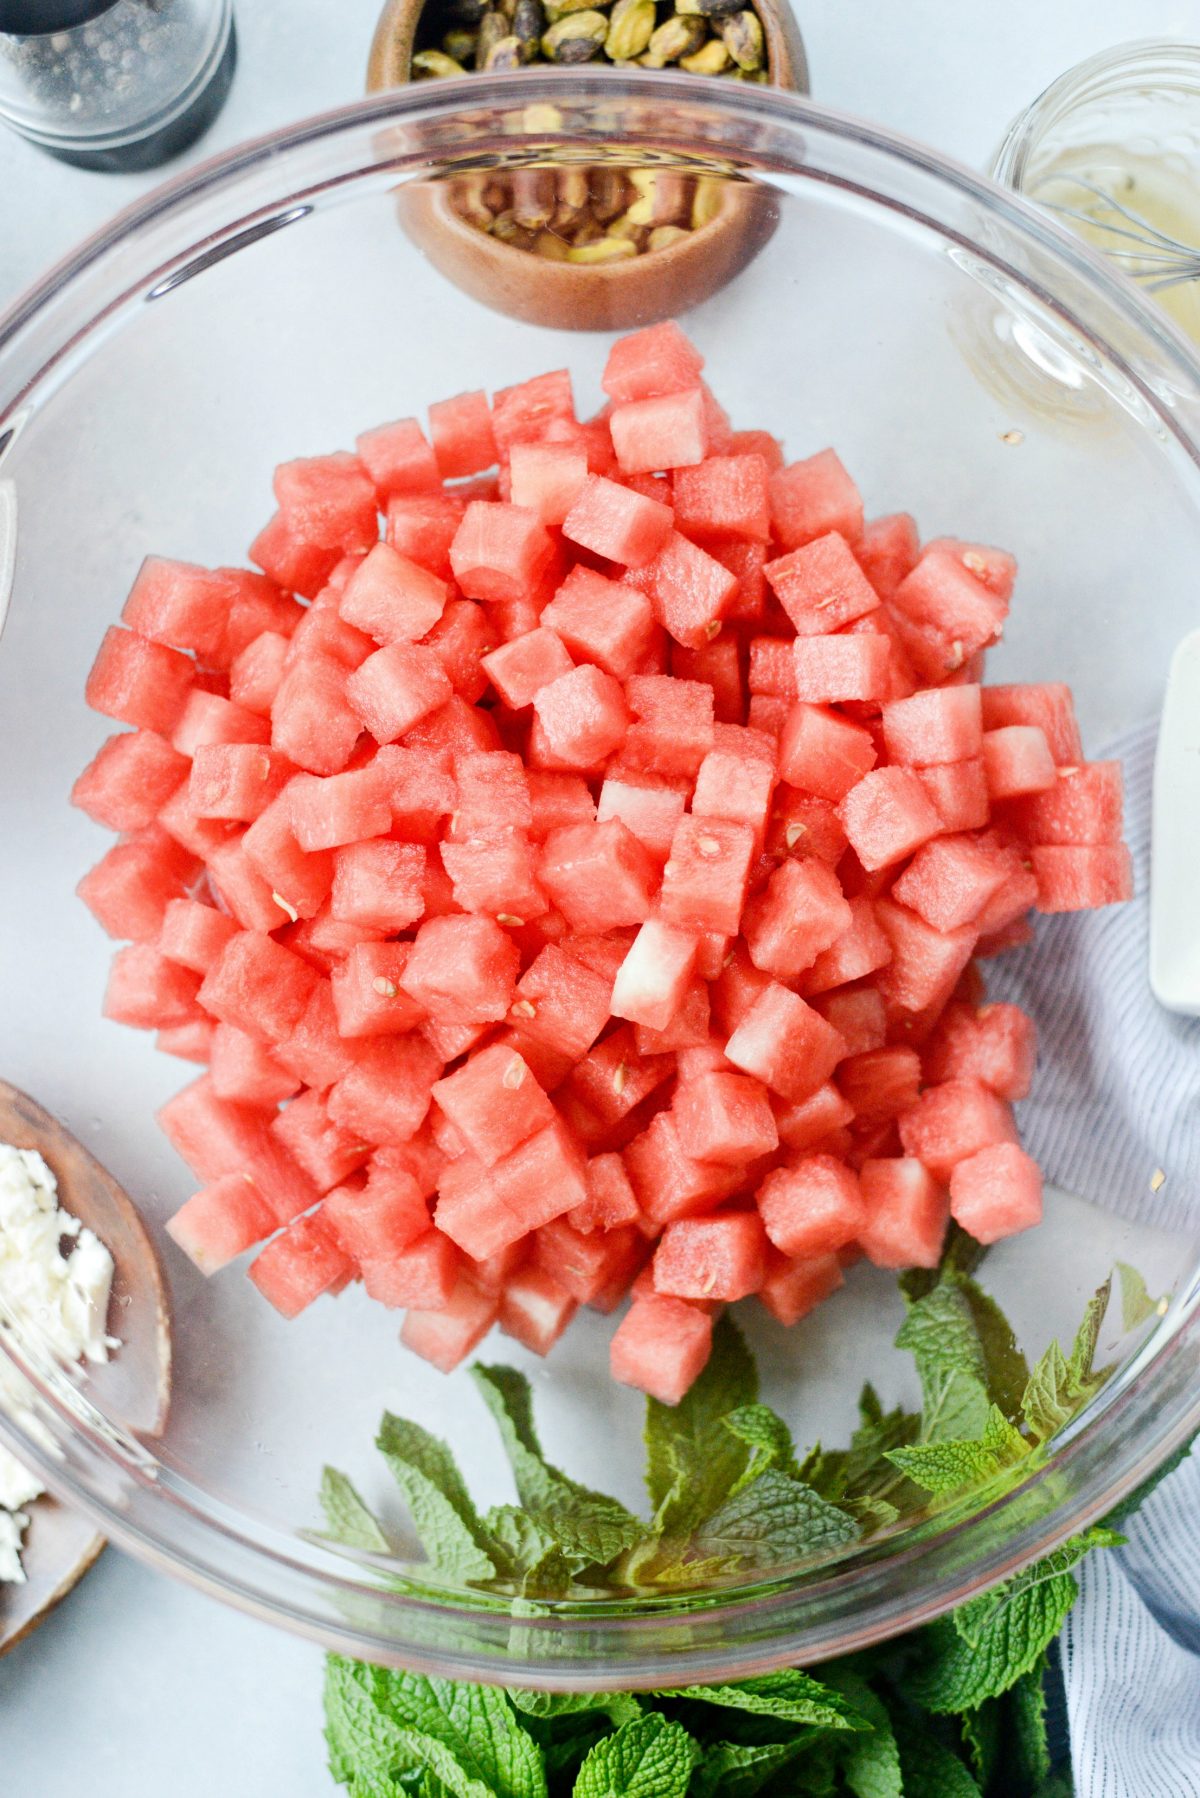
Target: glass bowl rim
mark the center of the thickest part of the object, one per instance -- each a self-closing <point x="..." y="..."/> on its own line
<point x="235" y="1560"/>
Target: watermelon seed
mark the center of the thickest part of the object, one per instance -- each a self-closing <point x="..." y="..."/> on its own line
<point x="794" y="834"/>
<point x="1012" y="436"/>
<point x="524" y="1008"/>
<point x="1157" y="1179"/>
<point x="283" y="905"/>
<point x="507" y="917"/>
<point x="514" y="1074"/>
<point x="620" y="1076"/>
<point x="975" y="563"/>
<point x="712" y="628"/>
<point x="708" y="846"/>
<point x="384" y="987"/>
<point x="709" y="1283"/>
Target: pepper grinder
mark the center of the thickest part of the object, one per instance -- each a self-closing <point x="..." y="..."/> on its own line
<point x="114" y="84"/>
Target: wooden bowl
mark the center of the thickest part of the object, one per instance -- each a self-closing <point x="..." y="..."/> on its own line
<point x="594" y="297"/>
<point x="60" y="1545"/>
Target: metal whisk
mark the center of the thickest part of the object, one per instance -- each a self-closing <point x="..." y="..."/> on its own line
<point x="1151" y="256"/>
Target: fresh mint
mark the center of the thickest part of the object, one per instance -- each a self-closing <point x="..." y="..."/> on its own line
<point x="692" y="1460"/>
<point x="451" y="1530"/>
<point x="945" y="1468"/>
<point x="1061" y="1385"/>
<point x="1136" y="1304"/>
<point x="649" y="1758"/>
<point x="789" y="1697"/>
<point x="941" y="1335"/>
<point x="772" y="1523"/>
<point x="349" y="1520"/>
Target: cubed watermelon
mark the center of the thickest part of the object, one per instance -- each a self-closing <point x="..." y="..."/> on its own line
<point x="244" y="1069"/>
<point x="859" y="1016"/>
<point x="216" y="1138"/>
<point x="907" y="1212"/>
<point x="801" y="913"/>
<point x="147" y="991"/>
<point x="996" y="1192"/>
<point x="129" y="779"/>
<point x="723" y="497"/>
<point x="139" y="682"/>
<point x="657" y="359"/>
<point x="824" y="753"/>
<point x="298" y="881"/>
<point x="887" y="816"/>
<point x="447" y="1336"/>
<point x="422" y="1275"/>
<point x="926" y="961"/>
<point x="494" y="1102"/>
<point x="1081" y="878"/>
<point x="538" y="1180"/>
<point x="617" y="523"/>
<point x="950" y="880"/>
<point x="561" y="1002"/>
<point x="1017" y="761"/>
<point x="395" y="688"/>
<point x="312" y="722"/>
<point x="813" y="497"/>
<point x="302" y="1262"/>
<point x="668" y="1183"/>
<point x="221" y="1222"/>
<point x="821" y="587"/>
<point x="996" y="1045"/>
<point x="327" y="1153"/>
<point x="461" y="429"/>
<point x="1048" y="706"/>
<point x="130" y="888"/>
<point x="661" y="1347"/>
<point x="392" y="599"/>
<point x="706" y="874"/>
<point x="716" y="1258"/>
<point x="952" y="1122"/>
<point x="724" y="1117"/>
<point x="785" y="1043"/>
<point x="958" y="791"/>
<point x="805" y="1123"/>
<point x="328" y="500"/>
<point x="812" y="1206"/>
<point x="860" y="949"/>
<point x="583" y="716"/>
<point x="881" y="1083"/>
<point x="941" y="724"/>
<point x="598" y="875"/>
<point x="520" y="668"/>
<point x="602" y="621"/>
<point x="258" y="985"/>
<point x="499" y="550"/>
<point x="791" y="1289"/>
<point x="610" y="1203"/>
<point x="654" y="976"/>
<point x="384" y="1095"/>
<point x="398" y="458"/>
<point x="463" y="969"/>
<point x="367" y="996"/>
<point x="1083" y="807"/>
<point x="236" y="781"/>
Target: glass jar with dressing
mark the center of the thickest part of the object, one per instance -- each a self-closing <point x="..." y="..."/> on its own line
<point x="1112" y="150"/>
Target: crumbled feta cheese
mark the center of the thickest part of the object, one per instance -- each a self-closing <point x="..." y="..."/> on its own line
<point x="55" y="1284"/>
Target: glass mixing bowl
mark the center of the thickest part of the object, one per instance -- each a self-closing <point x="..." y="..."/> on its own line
<point x="972" y="363"/>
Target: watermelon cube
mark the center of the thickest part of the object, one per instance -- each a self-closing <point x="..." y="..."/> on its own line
<point x="131" y="776"/>
<point x="785" y="1043"/>
<point x="772" y="667"/>
<point x="1017" y="761"/>
<point x="384" y="1096"/>
<point x="322" y="633"/>
<point x="193" y="934"/>
<point x="673" y="728"/>
<point x="392" y="599"/>
<point x="556" y="800"/>
<point x="668" y="1183"/>
<point x="291" y="560"/>
<point x="378" y="885"/>
<point x="398" y="458"/>
<point x="302" y="1262"/>
<point x="940" y="724"/>
<point x="328" y="500"/>
<point x="724" y="1117"/>
<point x="533" y="411"/>
<point x="822" y="753"/>
<point x="926" y="961"/>
<point x="422" y="1275"/>
<point x="258" y="985"/>
<point x="907" y="1213"/>
<point x="814" y="1206"/>
<point x="499" y="551"/>
<point x="834" y="669"/>
<point x="312" y="722"/>
<point x="561" y="1002"/>
<point x="462" y="969"/>
<point x="538" y="1180"/>
<point x="958" y="791"/>
<point x="719" y="665"/>
<point x="180" y="605"/>
<point x="520" y="668"/>
<point x="858" y="1014"/>
<point x="422" y="526"/>
<point x="881" y="1083"/>
<point x="650" y="809"/>
<point x="737" y="987"/>
<point x="724" y="497"/>
<point x="705" y="877"/>
<point x="719" y="1258"/>
<point x="610" y="1203"/>
<point x="315" y="1051"/>
<point x="395" y="688"/>
<point x="952" y="1122"/>
<point x="658" y="359"/>
<point x="591" y="1267"/>
<point x="447" y="1336"/>
<point x="801" y="913"/>
<point x="598" y="875"/>
<point x="950" y="880"/>
<point x="766" y="713"/>
<point x="236" y="781"/>
<point x="821" y="587"/>
<point x="147" y="991"/>
<point x="535" y="1309"/>
<point x="129" y="889"/>
<point x="1083" y="807"/>
<point x="207" y="718"/>
<point x="813" y="497"/>
<point x="654" y="976"/>
<point x="611" y="1079"/>
<point x="245" y="1070"/>
<point x="996" y="568"/>
<point x="690" y="590"/>
<point x="299" y="881"/>
<point x="887" y="816"/>
<point x="494" y="1102"/>
<point x="791" y="1289"/>
<point x="583" y="716"/>
<point x="256" y="605"/>
<point x="494" y="873"/>
<point x="804" y="1123"/>
<point x="996" y="1192"/>
<point x="600" y="620"/>
<point x="381" y="1219"/>
<point x="460" y="639"/>
<point x="547" y="478"/>
<point x="420" y="790"/>
<point x="996" y="1045"/>
<point x="1048" y="706"/>
<point x="888" y="550"/>
<point x="689" y="1027"/>
<point x="367" y="996"/>
<point x="617" y="523"/>
<point x="662" y="432"/>
<point x="463" y="440"/>
<point x="661" y="1347"/>
<point x="139" y="682"/>
<point x="221" y="1222"/>
<point x="216" y="1138"/>
<point x="745" y="560"/>
<point x="327" y="812"/>
<point x="862" y="948"/>
<point x="327" y="1153"/>
<point x="1081" y="878"/>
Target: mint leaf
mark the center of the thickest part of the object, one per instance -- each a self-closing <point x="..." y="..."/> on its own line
<point x="349" y="1520"/>
<point x="860" y="1479"/>
<point x="475" y="1736"/>
<point x="447" y="1522"/>
<point x="941" y="1335"/>
<point x="1006" y="1371"/>
<point x="589" y="1526"/>
<point x="929" y="1769"/>
<point x="770" y="1524"/>
<point x="1136" y="1303"/>
<point x="742" y="1769"/>
<point x="768" y="1439"/>
<point x="870" y="1760"/>
<point x="1060" y="1387"/>
<point x="1026" y="1738"/>
<point x="789" y="1696"/>
<point x="692" y="1460"/>
<point x="618" y="1707"/>
<point x="982" y="1738"/>
<point x="944" y="1468"/>
<point x="533" y="1558"/>
<point x="988" y="1644"/>
<point x="365" y="1742"/>
<point x="650" y="1758"/>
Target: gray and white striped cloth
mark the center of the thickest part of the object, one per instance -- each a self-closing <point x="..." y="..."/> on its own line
<point x="1117" y="1096"/>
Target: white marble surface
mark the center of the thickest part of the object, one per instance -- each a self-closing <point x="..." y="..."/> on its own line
<point x="138" y="1686"/>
